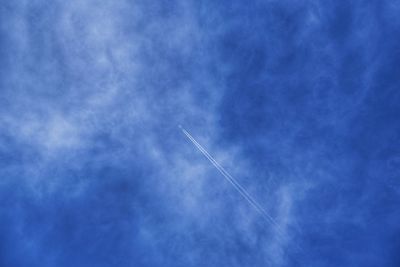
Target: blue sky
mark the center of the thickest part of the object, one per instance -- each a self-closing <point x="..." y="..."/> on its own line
<point x="297" y="100"/>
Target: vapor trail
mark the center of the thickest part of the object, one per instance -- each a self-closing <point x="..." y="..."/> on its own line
<point x="243" y="192"/>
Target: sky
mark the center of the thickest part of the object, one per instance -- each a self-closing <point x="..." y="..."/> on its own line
<point x="299" y="101"/>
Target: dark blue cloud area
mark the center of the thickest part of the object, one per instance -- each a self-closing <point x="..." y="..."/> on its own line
<point x="298" y="100"/>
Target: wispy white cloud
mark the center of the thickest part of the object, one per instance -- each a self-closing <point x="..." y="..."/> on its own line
<point x="111" y="87"/>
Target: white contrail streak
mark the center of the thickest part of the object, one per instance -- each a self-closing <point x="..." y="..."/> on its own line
<point x="243" y="192"/>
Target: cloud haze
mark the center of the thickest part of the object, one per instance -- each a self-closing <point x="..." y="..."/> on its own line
<point x="298" y="100"/>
